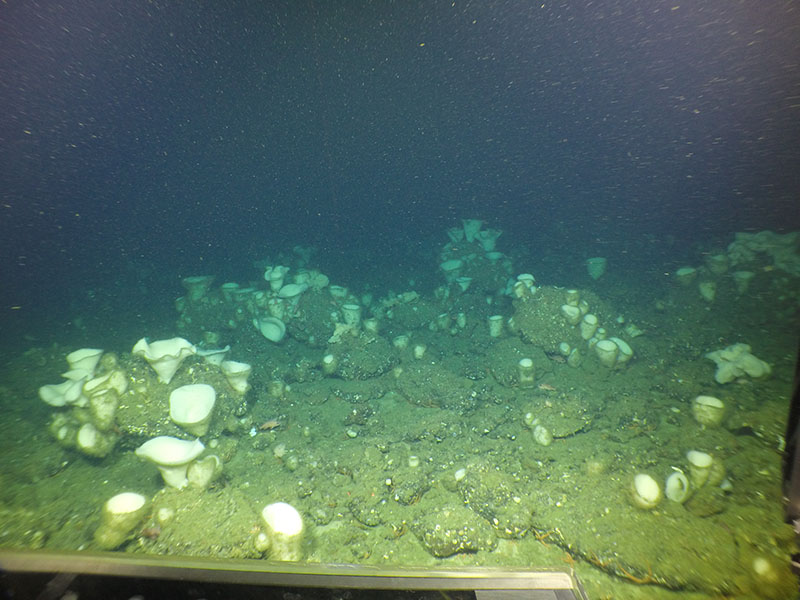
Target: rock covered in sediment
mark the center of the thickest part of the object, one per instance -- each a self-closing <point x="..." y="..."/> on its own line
<point x="450" y="530"/>
<point x="496" y="497"/>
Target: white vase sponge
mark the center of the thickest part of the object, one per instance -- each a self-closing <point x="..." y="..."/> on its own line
<point x="645" y="491"/>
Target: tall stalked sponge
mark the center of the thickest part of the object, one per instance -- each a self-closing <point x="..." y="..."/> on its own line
<point x="607" y="351"/>
<point x="708" y="410"/>
<point x="197" y="286"/>
<point x="190" y="407"/>
<point x="596" y="267"/>
<point x="85" y="359"/>
<point x="236" y="373"/>
<point x="283" y="527"/>
<point x="271" y="328"/>
<point x="645" y="492"/>
<point x="120" y="516"/>
<point x="165" y="356"/>
<point x="172" y="457"/>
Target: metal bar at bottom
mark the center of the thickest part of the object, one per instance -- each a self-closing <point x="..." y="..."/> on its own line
<point x="576" y="594"/>
<point x="258" y="572"/>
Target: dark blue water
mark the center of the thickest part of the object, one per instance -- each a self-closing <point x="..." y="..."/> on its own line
<point x="143" y="142"/>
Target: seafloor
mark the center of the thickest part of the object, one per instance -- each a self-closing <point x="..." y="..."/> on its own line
<point x="397" y="459"/>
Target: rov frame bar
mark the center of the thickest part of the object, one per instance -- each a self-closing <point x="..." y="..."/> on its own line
<point x="487" y="583"/>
